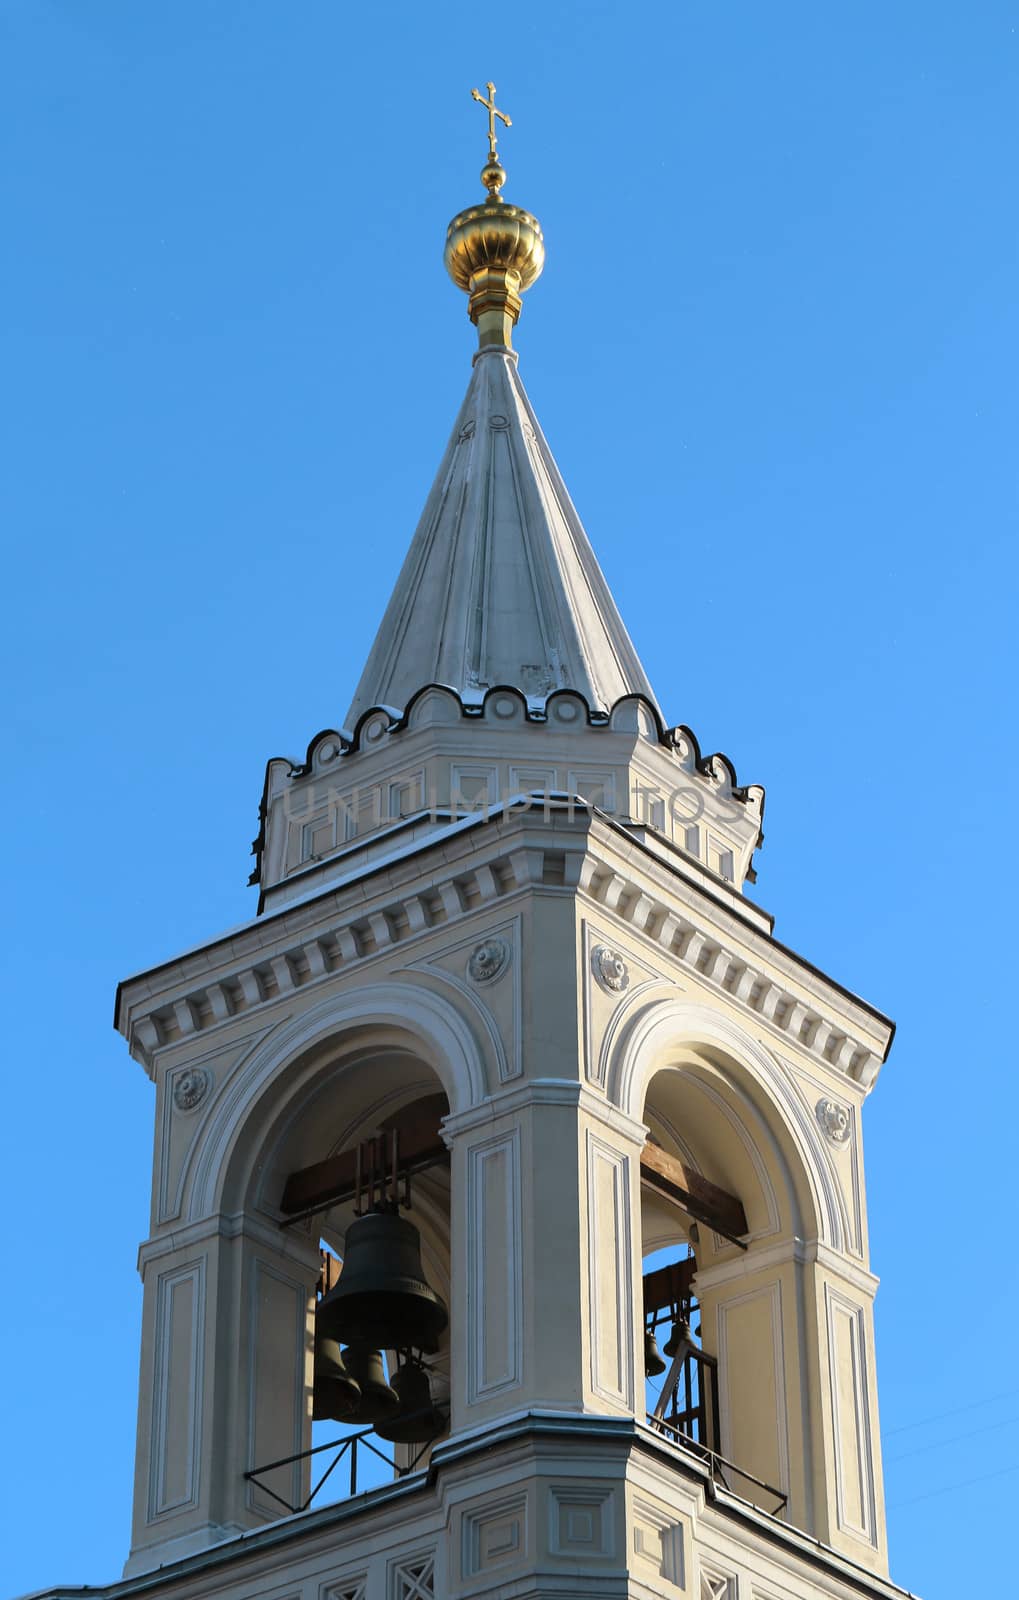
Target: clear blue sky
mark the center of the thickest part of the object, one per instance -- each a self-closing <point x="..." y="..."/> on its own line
<point x="775" y="352"/>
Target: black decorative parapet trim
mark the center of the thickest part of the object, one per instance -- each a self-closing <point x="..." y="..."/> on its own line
<point x="350" y="743"/>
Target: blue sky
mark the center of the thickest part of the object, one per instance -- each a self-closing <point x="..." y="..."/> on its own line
<point x="774" y="350"/>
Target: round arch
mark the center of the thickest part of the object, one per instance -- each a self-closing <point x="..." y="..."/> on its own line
<point x="674" y="1032"/>
<point x="267" y="1084"/>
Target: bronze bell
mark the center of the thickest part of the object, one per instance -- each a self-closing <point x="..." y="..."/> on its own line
<point x="653" y="1363"/>
<point x="382" y="1299"/>
<point x="377" y="1399"/>
<point x="336" y="1393"/>
<point x="680" y="1338"/>
<point x="417" y="1421"/>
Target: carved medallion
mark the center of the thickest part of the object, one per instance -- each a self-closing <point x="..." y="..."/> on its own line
<point x="566" y="711"/>
<point x="834" y="1121"/>
<point x="610" y="969"/>
<point x="488" y="960"/>
<point x="190" y="1087"/>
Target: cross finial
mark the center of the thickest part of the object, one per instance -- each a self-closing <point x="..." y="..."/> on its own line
<point x="493" y="112"/>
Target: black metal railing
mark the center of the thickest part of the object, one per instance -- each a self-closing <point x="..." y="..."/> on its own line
<point x="352" y="1449"/>
<point x="720" y="1469"/>
<point x="689" y="1402"/>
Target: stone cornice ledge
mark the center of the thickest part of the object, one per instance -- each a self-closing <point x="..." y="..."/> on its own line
<point x="192" y="1235"/>
<point x="612" y="1436"/>
<point x="545" y="1092"/>
<point x="724" y="953"/>
<point x="793" y="1541"/>
<point x="340" y="929"/>
<point x="803" y="1252"/>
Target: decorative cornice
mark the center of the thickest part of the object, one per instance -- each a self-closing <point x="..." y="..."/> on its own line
<point x="558" y="1437"/>
<point x="307" y="944"/>
<point x="766" y="1258"/>
<point x="193" y="1236"/>
<point x="544" y="1092"/>
<point x="331" y="747"/>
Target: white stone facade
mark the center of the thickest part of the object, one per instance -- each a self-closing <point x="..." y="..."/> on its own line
<point x="444" y="757"/>
<point x="545" y="1507"/>
<point x="554" y="1063"/>
<point x="512" y="885"/>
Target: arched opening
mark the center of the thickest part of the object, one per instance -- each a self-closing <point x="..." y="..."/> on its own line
<point x="681" y="1373"/>
<point x="348" y="1132"/>
<point x="723" y="1304"/>
<point x="380" y="1403"/>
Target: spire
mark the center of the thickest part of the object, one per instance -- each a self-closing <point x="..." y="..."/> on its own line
<point x="500" y="584"/>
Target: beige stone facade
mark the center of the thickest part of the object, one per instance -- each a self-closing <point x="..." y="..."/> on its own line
<point x="704" y="1031"/>
<point x="517" y="888"/>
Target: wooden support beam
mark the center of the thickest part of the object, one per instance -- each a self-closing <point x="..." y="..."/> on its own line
<point x="329" y="1271"/>
<point x="332" y="1181"/>
<point x="668" y="1285"/>
<point x="703" y="1200"/>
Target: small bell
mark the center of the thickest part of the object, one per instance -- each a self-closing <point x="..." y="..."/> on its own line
<point x="653" y="1363"/>
<point x="335" y="1394"/>
<point x="378" y="1400"/>
<point x="382" y="1300"/>
<point x="418" y="1421"/>
<point x="680" y="1338"/>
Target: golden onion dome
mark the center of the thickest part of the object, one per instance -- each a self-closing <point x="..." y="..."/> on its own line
<point x="494" y="234"/>
<point x="494" y="250"/>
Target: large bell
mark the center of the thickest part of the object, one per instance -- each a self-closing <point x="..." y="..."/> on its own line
<point x="653" y="1363"/>
<point x="378" y="1399"/>
<point x="417" y="1421"/>
<point x="336" y="1393"/>
<point x="382" y="1299"/>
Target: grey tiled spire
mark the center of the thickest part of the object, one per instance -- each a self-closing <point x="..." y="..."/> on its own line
<point x="500" y="584"/>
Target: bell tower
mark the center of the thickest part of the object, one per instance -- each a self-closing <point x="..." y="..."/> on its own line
<point x="505" y="1158"/>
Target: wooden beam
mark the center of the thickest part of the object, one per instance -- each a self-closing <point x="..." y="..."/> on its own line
<point x="329" y="1271"/>
<point x="668" y="1285"/>
<point x="332" y="1181"/>
<point x="671" y="1178"/>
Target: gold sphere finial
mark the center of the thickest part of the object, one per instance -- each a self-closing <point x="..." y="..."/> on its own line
<point x="493" y="250"/>
<point x="493" y="176"/>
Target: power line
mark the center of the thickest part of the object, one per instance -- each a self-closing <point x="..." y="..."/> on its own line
<point x="990" y="1399"/>
<point x="955" y="1438"/>
<point x="962" y="1483"/>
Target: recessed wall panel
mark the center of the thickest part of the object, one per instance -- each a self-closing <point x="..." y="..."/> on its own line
<point x="494" y="1289"/>
<point x="178" y="1376"/>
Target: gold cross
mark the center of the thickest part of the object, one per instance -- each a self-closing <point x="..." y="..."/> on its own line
<point x="493" y="112"/>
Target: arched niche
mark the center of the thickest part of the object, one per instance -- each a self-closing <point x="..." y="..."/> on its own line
<point x="227" y="1173"/>
<point x="360" y="1085"/>
<point x="360" y="1091"/>
<point x="713" y="1096"/>
<point x="696" y="1109"/>
<point x="737" y="1112"/>
<point x="303" y="1097"/>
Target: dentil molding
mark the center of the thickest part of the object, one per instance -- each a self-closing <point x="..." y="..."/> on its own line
<point x="719" y="959"/>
